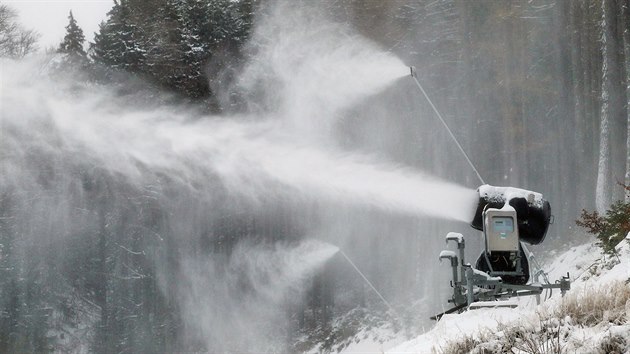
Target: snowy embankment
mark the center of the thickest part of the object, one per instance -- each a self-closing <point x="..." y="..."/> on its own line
<point x="593" y="317"/>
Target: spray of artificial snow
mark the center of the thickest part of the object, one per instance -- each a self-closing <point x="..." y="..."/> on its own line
<point x="307" y="72"/>
<point x="253" y="159"/>
<point x="233" y="304"/>
<point x="311" y="69"/>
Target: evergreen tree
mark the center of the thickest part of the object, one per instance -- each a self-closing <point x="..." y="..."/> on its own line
<point x="196" y="49"/>
<point x="117" y="44"/>
<point x="73" y="41"/>
<point x="165" y="59"/>
<point x="229" y="26"/>
<point x="176" y="43"/>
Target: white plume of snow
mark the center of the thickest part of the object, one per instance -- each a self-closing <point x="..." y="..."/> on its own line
<point x="309" y="74"/>
<point x="311" y="69"/>
<point x="255" y="160"/>
<point x="234" y="306"/>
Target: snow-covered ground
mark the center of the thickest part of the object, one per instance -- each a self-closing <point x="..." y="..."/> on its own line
<point x="373" y="341"/>
<point x="591" y="274"/>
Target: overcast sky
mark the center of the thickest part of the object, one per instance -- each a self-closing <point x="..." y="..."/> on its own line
<point x="50" y="17"/>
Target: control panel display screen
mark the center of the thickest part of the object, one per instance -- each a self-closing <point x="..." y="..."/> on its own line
<point x="502" y="224"/>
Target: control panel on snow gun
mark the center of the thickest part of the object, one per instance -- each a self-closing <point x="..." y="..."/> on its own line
<point x="501" y="234"/>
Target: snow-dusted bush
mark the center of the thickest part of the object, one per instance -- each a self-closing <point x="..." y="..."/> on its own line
<point x="465" y="344"/>
<point x="532" y="338"/>
<point x="550" y="330"/>
<point x="592" y="306"/>
<point x="611" y="228"/>
<point x="613" y="344"/>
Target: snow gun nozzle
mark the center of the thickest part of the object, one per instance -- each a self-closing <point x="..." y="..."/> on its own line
<point x="413" y="71"/>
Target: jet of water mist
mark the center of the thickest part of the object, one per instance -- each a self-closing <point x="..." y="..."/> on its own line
<point x="239" y="306"/>
<point x="398" y="317"/>
<point x="414" y="75"/>
<point x="284" y="152"/>
<point x="312" y="69"/>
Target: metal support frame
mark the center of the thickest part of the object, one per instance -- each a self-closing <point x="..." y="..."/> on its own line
<point x="518" y="270"/>
<point x="472" y="285"/>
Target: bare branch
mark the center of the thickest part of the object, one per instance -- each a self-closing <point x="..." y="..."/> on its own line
<point x="15" y="41"/>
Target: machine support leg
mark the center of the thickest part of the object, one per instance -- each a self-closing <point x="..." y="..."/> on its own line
<point x="469" y="284"/>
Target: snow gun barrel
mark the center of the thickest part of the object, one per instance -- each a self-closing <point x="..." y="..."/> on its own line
<point x="533" y="212"/>
<point x="412" y="70"/>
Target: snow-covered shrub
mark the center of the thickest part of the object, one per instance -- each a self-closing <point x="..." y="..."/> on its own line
<point x="542" y="338"/>
<point x="595" y="305"/>
<point x="613" y="344"/>
<point x="611" y="228"/>
<point x="551" y="332"/>
<point x="465" y="345"/>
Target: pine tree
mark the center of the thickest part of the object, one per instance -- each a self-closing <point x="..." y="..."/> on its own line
<point x="196" y="48"/>
<point x="73" y="41"/>
<point x="175" y="43"/>
<point x="117" y="44"/>
<point x="227" y="31"/>
<point x="229" y="23"/>
<point x="165" y="60"/>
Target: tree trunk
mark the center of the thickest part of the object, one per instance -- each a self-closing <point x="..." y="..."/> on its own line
<point x="617" y="117"/>
<point x="566" y="182"/>
<point x="625" y="18"/>
<point x="603" y="190"/>
<point x="576" y="71"/>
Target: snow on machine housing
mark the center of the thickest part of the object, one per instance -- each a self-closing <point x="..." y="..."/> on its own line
<point x="508" y="218"/>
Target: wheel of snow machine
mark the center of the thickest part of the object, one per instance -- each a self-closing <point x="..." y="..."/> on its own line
<point x="501" y="263"/>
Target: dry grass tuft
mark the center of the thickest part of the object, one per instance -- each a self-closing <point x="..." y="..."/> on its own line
<point x="613" y="344"/>
<point x="594" y="306"/>
<point x="588" y="308"/>
<point x="465" y="344"/>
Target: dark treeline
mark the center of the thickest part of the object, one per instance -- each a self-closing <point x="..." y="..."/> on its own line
<point x="537" y="92"/>
<point x="183" y="46"/>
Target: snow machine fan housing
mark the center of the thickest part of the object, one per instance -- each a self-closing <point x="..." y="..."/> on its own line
<point x="533" y="212"/>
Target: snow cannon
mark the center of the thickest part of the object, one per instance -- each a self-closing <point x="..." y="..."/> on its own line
<point x="508" y="219"/>
<point x="533" y="212"/>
